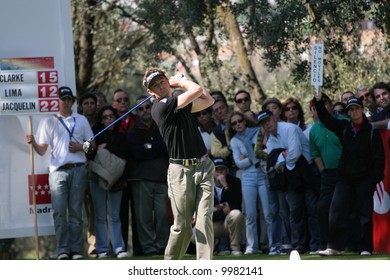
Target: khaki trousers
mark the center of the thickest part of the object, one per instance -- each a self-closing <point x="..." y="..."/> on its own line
<point x="190" y="189"/>
<point x="233" y="227"/>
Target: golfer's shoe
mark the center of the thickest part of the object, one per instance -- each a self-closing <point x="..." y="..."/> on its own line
<point x="329" y="252"/>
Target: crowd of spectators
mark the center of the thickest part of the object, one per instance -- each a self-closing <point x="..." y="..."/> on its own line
<point x="281" y="182"/>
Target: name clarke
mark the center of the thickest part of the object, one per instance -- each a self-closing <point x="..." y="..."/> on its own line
<point x="11" y="78"/>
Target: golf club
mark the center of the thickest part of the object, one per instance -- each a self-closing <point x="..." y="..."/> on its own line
<point x="87" y="146"/>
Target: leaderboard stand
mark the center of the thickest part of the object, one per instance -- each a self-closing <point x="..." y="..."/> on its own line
<point x="27" y="91"/>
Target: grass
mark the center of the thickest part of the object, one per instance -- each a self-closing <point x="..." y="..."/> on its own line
<point x="345" y="256"/>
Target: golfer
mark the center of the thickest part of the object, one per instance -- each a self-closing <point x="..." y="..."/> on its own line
<point x="190" y="171"/>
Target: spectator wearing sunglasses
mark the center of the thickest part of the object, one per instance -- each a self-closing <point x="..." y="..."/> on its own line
<point x="294" y="114"/>
<point x="363" y="92"/>
<point x="243" y="101"/>
<point x="106" y="203"/>
<point x="147" y="171"/>
<point x="120" y="102"/>
<point x="339" y="109"/>
<point x="206" y="125"/>
<point x="254" y="178"/>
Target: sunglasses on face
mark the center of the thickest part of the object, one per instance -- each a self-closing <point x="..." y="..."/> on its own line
<point x="144" y="108"/>
<point x="245" y="99"/>
<point x="122" y="99"/>
<point x="237" y="122"/>
<point x="110" y="116"/>
<point x="204" y="113"/>
<point x="292" y="108"/>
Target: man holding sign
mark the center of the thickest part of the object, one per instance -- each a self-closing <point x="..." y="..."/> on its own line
<point x="65" y="133"/>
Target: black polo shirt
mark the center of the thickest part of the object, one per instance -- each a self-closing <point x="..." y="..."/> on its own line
<point x="178" y="129"/>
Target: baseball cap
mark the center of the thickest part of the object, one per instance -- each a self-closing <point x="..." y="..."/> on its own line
<point x="220" y="162"/>
<point x="263" y="115"/>
<point x="65" y="92"/>
<point x="150" y="78"/>
<point x="354" y="101"/>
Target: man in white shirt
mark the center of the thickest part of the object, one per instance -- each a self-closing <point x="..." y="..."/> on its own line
<point x="295" y="161"/>
<point x="65" y="133"/>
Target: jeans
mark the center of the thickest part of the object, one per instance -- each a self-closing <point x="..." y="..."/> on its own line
<point x="67" y="189"/>
<point x="106" y="202"/>
<point x="280" y="219"/>
<point x="254" y="183"/>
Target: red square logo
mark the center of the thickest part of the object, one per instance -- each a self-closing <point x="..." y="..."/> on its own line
<point x="42" y="189"/>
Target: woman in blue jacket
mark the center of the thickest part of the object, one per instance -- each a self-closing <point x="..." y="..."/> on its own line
<point x="254" y="178"/>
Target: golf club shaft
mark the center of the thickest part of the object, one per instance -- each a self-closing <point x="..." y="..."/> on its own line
<point x="121" y="117"/>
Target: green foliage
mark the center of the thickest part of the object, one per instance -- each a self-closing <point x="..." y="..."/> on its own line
<point x="130" y="36"/>
<point x="353" y="72"/>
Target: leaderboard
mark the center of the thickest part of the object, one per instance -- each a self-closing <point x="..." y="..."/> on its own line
<point x="28" y="91"/>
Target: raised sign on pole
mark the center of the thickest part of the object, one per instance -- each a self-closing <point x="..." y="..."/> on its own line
<point x="317" y="66"/>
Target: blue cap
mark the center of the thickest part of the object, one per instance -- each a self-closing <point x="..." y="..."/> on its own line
<point x="220" y="162"/>
<point x="263" y="115"/>
<point x="65" y="92"/>
<point x="354" y="101"/>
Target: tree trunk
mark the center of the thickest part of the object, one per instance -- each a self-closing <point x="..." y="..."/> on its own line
<point x="235" y="36"/>
<point x="84" y="50"/>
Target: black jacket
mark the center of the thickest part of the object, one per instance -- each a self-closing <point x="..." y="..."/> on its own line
<point x="115" y="141"/>
<point x="363" y="155"/>
<point x="232" y="196"/>
<point x="147" y="163"/>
